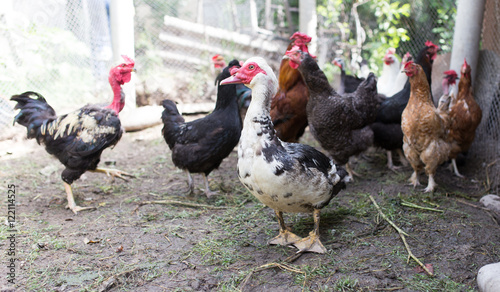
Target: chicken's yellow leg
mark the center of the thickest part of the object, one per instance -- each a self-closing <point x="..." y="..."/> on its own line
<point x="113" y="172"/>
<point x="208" y="192"/>
<point x="71" y="201"/>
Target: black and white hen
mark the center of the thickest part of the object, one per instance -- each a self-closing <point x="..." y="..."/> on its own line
<point x="78" y="138"/>
<point x="200" y="146"/>
<point x="287" y="177"/>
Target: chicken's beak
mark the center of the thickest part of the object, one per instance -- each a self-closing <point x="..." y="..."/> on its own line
<point x="134" y="70"/>
<point x="231" y="80"/>
<point x="286" y="57"/>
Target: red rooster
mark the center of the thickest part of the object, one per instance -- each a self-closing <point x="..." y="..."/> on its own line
<point x="288" y="107"/>
<point x="77" y="139"/>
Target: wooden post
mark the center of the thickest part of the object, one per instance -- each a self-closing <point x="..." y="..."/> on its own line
<point x="122" y="38"/>
<point x="468" y="26"/>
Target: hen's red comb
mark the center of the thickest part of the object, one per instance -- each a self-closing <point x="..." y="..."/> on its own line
<point x="450" y="72"/>
<point x="128" y="60"/>
<point x="301" y="36"/>
<point x="430" y="44"/>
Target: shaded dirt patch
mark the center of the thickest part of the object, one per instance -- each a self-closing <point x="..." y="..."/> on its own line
<point x="125" y="246"/>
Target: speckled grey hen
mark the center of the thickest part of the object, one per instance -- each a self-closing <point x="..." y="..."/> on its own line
<point x="340" y="122"/>
<point x="287" y="177"/>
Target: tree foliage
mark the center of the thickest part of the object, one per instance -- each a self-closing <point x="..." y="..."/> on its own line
<point x="365" y="29"/>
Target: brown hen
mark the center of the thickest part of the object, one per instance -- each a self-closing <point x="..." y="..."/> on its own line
<point x="425" y="141"/>
<point x="465" y="116"/>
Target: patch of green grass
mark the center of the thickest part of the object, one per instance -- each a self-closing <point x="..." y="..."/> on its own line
<point x="232" y="284"/>
<point x="79" y="278"/>
<point x="392" y="178"/>
<point x="170" y="214"/>
<point x="42" y="279"/>
<point x="309" y="273"/>
<point x="126" y="276"/>
<point x="132" y="200"/>
<point x="421" y="282"/>
<point x="345" y="284"/>
<point x="218" y="251"/>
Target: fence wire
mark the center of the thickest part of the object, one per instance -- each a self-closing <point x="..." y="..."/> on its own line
<point x="486" y="147"/>
<point x="62" y="49"/>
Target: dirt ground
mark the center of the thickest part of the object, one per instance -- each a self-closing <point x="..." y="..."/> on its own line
<point x="146" y="235"/>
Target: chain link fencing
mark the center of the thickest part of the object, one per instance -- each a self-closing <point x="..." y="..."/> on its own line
<point x="62" y="49"/>
<point x="485" y="149"/>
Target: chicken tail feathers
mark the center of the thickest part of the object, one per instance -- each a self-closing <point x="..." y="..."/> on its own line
<point x="171" y="121"/>
<point x="34" y="114"/>
<point x="371" y="81"/>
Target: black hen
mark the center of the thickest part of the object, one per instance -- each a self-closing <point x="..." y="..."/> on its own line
<point x="200" y="146"/>
<point x="348" y="83"/>
<point x="77" y="139"/>
<point x="387" y="127"/>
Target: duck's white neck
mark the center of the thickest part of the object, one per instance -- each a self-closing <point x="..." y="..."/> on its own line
<point x="262" y="94"/>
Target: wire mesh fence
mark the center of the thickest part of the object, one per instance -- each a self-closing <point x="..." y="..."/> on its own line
<point x="63" y="48"/>
<point x="60" y="49"/>
<point x="486" y="148"/>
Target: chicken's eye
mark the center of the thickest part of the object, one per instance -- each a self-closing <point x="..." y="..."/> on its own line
<point x="251" y="67"/>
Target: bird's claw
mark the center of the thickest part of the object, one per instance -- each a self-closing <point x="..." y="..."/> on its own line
<point x="395" y="168"/>
<point x="116" y="173"/>
<point x="210" y="194"/>
<point x="77" y="208"/>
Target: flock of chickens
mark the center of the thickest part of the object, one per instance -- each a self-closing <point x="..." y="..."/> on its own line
<point x="266" y="116"/>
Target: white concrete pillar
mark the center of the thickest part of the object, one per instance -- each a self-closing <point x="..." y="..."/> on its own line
<point x="468" y="26"/>
<point x="122" y="38"/>
<point x="253" y="16"/>
<point x="308" y="22"/>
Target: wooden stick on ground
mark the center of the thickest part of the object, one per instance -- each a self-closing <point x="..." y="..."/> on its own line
<point x="402" y="235"/>
<point x="283" y="266"/>
<point x="488" y="182"/>
<point x="174" y="202"/>
<point x="411" y="205"/>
